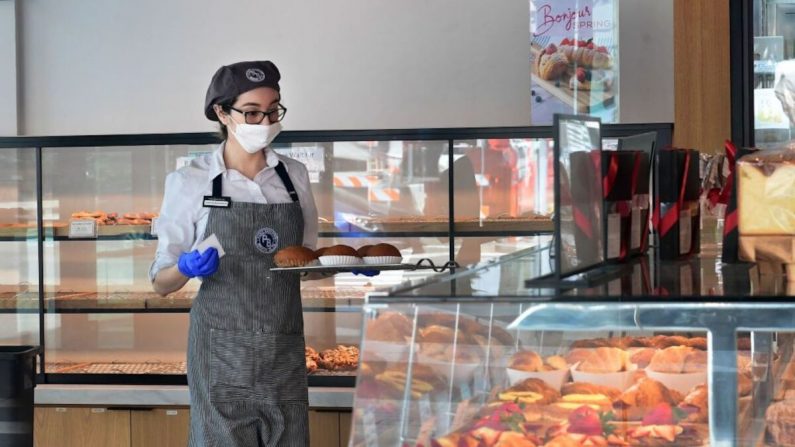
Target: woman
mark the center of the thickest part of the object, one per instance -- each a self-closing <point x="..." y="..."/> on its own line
<point x="246" y="367"/>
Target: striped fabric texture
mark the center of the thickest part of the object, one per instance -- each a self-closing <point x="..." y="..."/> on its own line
<point x="246" y="367"/>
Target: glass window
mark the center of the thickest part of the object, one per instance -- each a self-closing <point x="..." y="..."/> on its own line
<point x="774" y="71"/>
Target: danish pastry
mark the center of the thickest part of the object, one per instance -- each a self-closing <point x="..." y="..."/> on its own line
<point x="552" y="66"/>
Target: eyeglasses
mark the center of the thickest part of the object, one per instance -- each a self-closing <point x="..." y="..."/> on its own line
<point x="256" y="116"/>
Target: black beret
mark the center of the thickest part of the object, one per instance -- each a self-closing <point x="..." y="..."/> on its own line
<point x="230" y="81"/>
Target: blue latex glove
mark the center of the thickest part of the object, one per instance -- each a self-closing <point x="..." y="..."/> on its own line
<point x="369" y="273"/>
<point x="194" y="264"/>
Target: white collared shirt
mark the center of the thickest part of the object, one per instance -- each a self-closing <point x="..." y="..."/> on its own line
<point x="183" y="218"/>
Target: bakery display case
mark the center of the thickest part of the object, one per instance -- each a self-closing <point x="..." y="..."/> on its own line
<point x="667" y="353"/>
<point x="19" y="255"/>
<point x="464" y="195"/>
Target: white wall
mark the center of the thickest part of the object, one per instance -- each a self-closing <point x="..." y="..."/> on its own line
<point x="646" y="42"/>
<point x="8" y="68"/>
<point x="115" y="66"/>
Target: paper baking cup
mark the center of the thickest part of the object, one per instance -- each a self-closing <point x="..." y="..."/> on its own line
<point x="683" y="383"/>
<point x="383" y="260"/>
<point x="620" y="380"/>
<point x="339" y="260"/>
<point x="555" y="379"/>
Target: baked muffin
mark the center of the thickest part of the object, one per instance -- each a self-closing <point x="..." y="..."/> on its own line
<point x="340" y="250"/>
<point x="294" y="256"/>
<point x="320" y="251"/>
<point x="362" y="251"/>
<point x="381" y="250"/>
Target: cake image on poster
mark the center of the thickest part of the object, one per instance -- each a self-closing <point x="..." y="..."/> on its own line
<point x="573" y="59"/>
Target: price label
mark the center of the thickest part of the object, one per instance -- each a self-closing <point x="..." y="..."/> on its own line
<point x="98" y="410"/>
<point x="613" y="236"/>
<point x="81" y="229"/>
<point x="635" y="229"/>
<point x="172" y="412"/>
<point x="153" y="229"/>
<point x="685" y="232"/>
<point x="60" y="410"/>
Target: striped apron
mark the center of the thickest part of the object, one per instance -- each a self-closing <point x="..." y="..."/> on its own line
<point x="246" y="367"/>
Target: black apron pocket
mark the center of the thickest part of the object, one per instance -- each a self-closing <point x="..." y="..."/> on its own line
<point x="281" y="372"/>
<point x="231" y="359"/>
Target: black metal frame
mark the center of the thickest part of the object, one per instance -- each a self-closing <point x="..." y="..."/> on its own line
<point x="450" y="135"/>
<point x="741" y="41"/>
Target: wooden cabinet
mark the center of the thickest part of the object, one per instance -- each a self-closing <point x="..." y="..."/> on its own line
<point x="324" y="429"/>
<point x="160" y="427"/>
<point x="329" y="428"/>
<point x="81" y="427"/>
<point x="345" y="428"/>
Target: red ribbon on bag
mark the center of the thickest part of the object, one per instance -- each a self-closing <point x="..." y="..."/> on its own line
<point x="730" y="220"/>
<point x="670" y="218"/>
<point x="610" y="179"/>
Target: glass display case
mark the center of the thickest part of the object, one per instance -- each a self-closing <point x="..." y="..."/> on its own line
<point x="675" y="353"/>
<point x="465" y="195"/>
<point x="19" y="255"/>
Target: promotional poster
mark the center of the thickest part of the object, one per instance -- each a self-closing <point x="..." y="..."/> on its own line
<point x="574" y="59"/>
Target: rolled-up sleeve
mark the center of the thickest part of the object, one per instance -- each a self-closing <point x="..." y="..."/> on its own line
<point x="176" y="228"/>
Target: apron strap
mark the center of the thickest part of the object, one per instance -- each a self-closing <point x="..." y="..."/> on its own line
<point x="217" y="200"/>
<point x="217" y="186"/>
<point x="282" y="172"/>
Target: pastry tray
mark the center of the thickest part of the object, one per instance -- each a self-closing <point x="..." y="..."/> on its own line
<point x="422" y="264"/>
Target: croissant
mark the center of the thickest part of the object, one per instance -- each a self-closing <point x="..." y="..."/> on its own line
<point x="605" y="360"/>
<point x="389" y="326"/>
<point x="698" y="401"/>
<point x="577" y="355"/>
<point x="591" y="343"/>
<point x="538" y="386"/>
<point x="527" y="361"/>
<point x="590" y="388"/>
<point x="744" y="384"/>
<point x="679" y="360"/>
<point x="556" y="362"/>
<point x="642" y="356"/>
<point x="552" y="66"/>
<point x="642" y="396"/>
<point x="585" y="57"/>
<point x="696" y="361"/>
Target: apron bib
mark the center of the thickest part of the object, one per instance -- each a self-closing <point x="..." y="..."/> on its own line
<point x="246" y="366"/>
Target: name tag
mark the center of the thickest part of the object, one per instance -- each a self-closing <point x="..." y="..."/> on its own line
<point x="216" y="202"/>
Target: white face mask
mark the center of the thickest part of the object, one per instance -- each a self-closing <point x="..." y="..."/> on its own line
<point x="255" y="137"/>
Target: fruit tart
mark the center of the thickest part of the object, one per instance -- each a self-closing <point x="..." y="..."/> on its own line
<point x="585" y="427"/>
<point x="661" y="428"/>
<point x="501" y="426"/>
